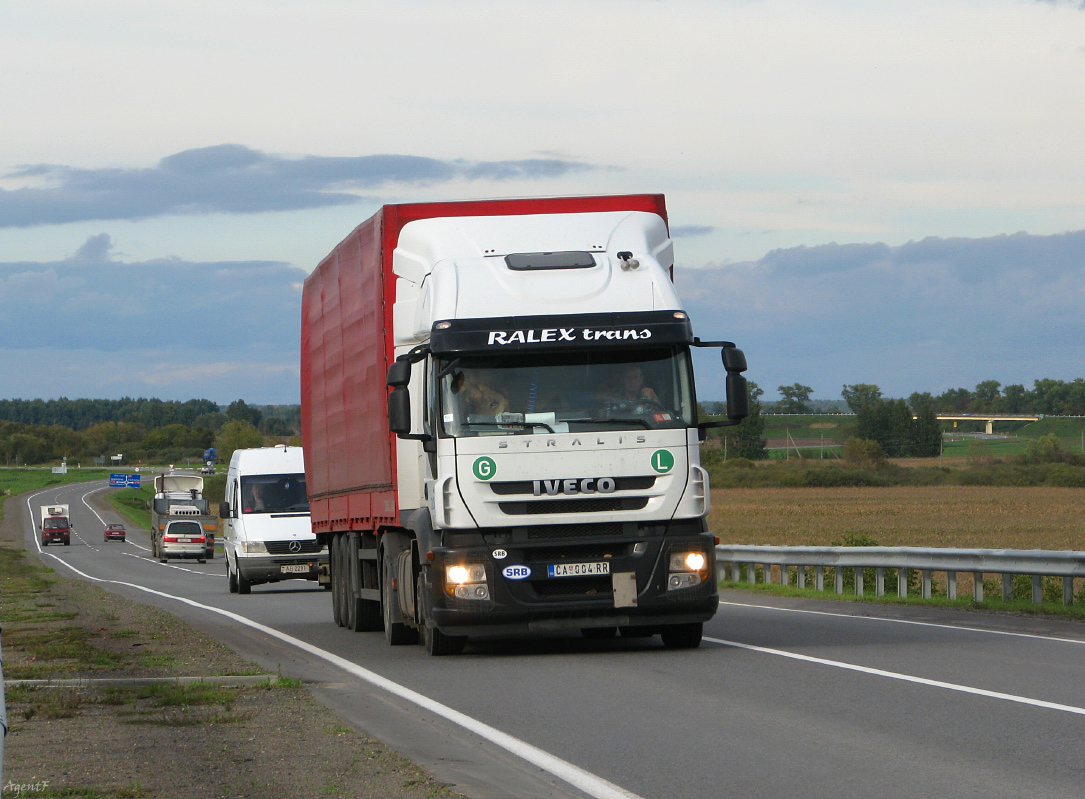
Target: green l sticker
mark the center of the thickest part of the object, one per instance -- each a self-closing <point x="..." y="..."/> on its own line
<point x="662" y="461"/>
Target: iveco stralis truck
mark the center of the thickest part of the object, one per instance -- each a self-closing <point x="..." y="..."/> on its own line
<point x="535" y="468"/>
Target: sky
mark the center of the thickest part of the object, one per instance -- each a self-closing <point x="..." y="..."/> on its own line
<point x="888" y="193"/>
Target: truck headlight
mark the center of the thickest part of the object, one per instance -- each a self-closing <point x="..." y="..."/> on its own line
<point x="467" y="581"/>
<point x="253" y="548"/>
<point x="687" y="569"/>
<point x="461" y="574"/>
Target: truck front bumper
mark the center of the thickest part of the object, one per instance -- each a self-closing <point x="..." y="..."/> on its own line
<point x="638" y="579"/>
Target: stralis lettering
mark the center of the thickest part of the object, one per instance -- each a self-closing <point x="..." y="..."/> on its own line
<point x="589" y="485"/>
<point x="558" y="334"/>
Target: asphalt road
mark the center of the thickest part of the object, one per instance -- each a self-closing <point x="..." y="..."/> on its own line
<point x="784" y="697"/>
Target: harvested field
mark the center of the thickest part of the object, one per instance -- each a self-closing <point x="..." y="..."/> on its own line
<point x="935" y="516"/>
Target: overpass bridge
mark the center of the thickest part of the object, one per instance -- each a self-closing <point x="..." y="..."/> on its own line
<point x="989" y="418"/>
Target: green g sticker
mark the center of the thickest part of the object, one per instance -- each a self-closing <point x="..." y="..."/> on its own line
<point x="662" y="461"/>
<point x="485" y="468"/>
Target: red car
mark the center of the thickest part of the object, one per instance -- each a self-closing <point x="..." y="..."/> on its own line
<point x="114" y="532"/>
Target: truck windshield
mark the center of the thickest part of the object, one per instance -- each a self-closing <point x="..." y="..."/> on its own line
<point x="56" y="524"/>
<point x="274" y="493"/>
<point x="561" y="392"/>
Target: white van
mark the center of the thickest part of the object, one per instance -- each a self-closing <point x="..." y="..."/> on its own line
<point x="267" y="536"/>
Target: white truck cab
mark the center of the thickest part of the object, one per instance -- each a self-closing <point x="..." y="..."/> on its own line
<point x="267" y="535"/>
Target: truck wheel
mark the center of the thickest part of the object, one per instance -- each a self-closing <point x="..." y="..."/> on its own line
<point x="336" y="568"/>
<point x="682" y="636"/>
<point x="231" y="578"/>
<point x="435" y="641"/>
<point x="395" y="631"/>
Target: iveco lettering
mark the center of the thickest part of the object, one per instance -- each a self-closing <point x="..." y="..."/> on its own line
<point x="501" y="424"/>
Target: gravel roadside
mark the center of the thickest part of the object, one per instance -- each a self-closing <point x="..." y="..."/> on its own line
<point x="128" y="741"/>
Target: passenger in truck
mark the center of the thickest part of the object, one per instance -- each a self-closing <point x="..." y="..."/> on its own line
<point x="631" y="388"/>
<point x="478" y="396"/>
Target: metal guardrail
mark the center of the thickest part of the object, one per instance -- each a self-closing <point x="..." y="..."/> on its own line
<point x="1037" y="563"/>
<point x="3" y="718"/>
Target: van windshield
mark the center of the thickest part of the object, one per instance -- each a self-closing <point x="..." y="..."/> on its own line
<point x="56" y="524"/>
<point x="274" y="493"/>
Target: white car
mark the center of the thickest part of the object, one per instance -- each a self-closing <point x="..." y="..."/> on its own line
<point x="183" y="539"/>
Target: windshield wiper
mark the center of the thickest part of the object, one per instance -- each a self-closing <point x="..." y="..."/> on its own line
<point x="633" y="420"/>
<point x="511" y="425"/>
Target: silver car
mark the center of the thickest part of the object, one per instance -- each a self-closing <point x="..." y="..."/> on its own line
<point x="183" y="539"/>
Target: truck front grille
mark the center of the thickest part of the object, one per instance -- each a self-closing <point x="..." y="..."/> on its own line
<point x="596" y="505"/>
<point x="536" y="532"/>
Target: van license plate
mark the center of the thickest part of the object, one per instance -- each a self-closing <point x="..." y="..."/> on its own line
<point x="301" y="568"/>
<point x="579" y="569"/>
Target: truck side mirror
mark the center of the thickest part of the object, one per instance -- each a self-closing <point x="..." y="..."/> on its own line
<point x="399" y="411"/>
<point x="738" y="397"/>
<point x="224" y="510"/>
<point x="399" y="374"/>
<point x="734" y="359"/>
<point x="738" y="393"/>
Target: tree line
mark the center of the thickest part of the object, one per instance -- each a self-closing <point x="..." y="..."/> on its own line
<point x="1048" y="397"/>
<point x="138" y="430"/>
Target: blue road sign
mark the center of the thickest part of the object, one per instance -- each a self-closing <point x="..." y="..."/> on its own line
<point x="124" y="481"/>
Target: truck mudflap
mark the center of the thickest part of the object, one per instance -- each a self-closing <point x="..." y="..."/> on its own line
<point x="647" y="582"/>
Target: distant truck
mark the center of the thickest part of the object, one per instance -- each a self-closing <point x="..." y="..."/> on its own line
<point x="56" y="525"/>
<point x="180" y="497"/>
<point x="536" y="465"/>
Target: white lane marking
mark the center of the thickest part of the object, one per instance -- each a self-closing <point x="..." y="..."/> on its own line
<point x="909" y="621"/>
<point x="562" y="769"/>
<point x="893" y="675"/>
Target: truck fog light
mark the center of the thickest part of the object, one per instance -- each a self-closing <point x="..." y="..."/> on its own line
<point x="472" y="591"/>
<point x="460" y="574"/>
<point x="678" y="581"/>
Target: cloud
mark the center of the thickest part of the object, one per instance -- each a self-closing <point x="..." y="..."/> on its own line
<point x="925" y="316"/>
<point x="92" y="325"/>
<point x="689" y="231"/>
<point x="231" y="178"/>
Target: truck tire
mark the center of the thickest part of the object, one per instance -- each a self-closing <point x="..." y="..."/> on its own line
<point x="335" y="566"/>
<point x="435" y="641"/>
<point x="682" y="636"/>
<point x="231" y="578"/>
<point x="243" y="584"/>
<point x="395" y="631"/>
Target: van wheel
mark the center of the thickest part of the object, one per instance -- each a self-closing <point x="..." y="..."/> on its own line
<point x="231" y="578"/>
<point x="243" y="584"/>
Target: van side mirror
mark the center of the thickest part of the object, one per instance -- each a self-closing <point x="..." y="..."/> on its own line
<point x="224" y="510"/>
